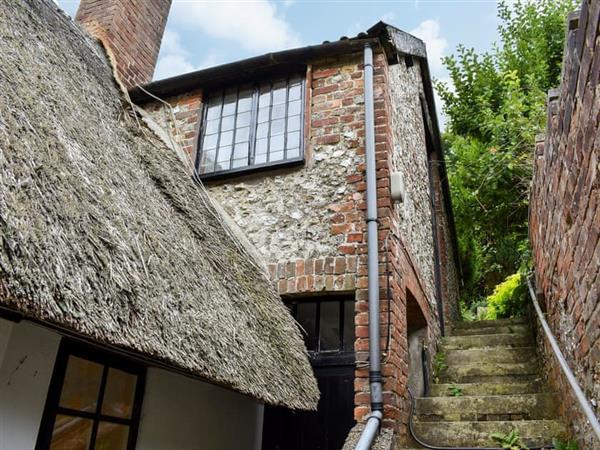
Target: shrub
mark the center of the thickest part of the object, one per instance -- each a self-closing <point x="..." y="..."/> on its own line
<point x="508" y="299"/>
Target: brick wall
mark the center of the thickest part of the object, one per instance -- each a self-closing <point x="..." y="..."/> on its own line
<point x="133" y="30"/>
<point x="308" y="222"/>
<point x="565" y="218"/>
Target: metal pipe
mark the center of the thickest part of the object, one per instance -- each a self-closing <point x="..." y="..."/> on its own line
<point x="579" y="395"/>
<point x="375" y="379"/>
<point x="370" y="431"/>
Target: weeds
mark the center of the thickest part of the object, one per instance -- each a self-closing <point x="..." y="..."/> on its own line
<point x="510" y="441"/>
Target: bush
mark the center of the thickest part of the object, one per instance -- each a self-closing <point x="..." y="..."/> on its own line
<point x="508" y="299"/>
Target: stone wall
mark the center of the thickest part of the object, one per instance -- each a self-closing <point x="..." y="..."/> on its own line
<point x="409" y="156"/>
<point x="308" y="222"/>
<point x="565" y="219"/>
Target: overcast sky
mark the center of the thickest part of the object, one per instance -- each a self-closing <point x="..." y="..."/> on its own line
<point x="203" y="33"/>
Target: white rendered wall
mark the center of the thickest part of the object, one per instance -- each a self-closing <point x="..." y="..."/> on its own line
<point x="27" y="356"/>
<point x="185" y="414"/>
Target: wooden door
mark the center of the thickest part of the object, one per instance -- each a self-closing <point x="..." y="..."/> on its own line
<point x="329" y="326"/>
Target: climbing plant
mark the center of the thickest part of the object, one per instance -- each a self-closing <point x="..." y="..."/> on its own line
<point x="495" y="106"/>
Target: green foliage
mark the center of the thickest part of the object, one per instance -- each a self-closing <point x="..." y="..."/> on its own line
<point x="508" y="299"/>
<point x="455" y="391"/>
<point x="495" y="106"/>
<point x="511" y="441"/>
<point x="564" y="445"/>
<point x="439" y="366"/>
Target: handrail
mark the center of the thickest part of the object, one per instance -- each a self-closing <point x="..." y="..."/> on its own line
<point x="583" y="402"/>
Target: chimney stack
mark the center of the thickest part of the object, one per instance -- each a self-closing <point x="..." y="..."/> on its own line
<point x="133" y="29"/>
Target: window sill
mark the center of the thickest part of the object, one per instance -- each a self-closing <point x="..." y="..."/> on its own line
<point x="248" y="170"/>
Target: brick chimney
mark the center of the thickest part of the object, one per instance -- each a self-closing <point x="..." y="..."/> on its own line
<point x="133" y="30"/>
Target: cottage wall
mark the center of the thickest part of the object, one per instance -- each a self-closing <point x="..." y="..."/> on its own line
<point x="308" y="222"/>
<point x="565" y="219"/>
<point x="185" y="414"/>
<point x="27" y="355"/>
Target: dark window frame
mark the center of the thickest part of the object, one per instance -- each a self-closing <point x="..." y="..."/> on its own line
<point x="251" y="167"/>
<point x="108" y="360"/>
<point x="329" y="357"/>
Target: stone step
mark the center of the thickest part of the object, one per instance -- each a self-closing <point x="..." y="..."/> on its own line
<point x="487" y="388"/>
<point x="486" y="355"/>
<point x="504" y="329"/>
<point x="534" y="433"/>
<point x="489" y="372"/>
<point x="487" y="340"/>
<point x="490" y="323"/>
<point x="488" y="408"/>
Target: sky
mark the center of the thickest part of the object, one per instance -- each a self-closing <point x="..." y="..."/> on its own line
<point x="204" y="33"/>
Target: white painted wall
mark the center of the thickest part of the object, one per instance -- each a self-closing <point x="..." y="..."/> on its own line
<point x="185" y="414"/>
<point x="27" y="356"/>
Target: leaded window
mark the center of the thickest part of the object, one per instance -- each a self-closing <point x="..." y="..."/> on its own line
<point x="94" y="402"/>
<point x="327" y="325"/>
<point x="252" y="126"/>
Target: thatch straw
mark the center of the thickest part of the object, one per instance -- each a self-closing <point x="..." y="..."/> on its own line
<point x="103" y="233"/>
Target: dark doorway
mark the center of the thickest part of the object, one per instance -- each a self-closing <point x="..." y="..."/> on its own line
<point x="328" y="327"/>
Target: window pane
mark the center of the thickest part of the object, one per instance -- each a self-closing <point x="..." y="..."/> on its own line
<point x="208" y="157"/>
<point x="240" y="150"/>
<point x="295" y="92"/>
<point x="229" y="106"/>
<point x="226" y="138"/>
<point x="242" y="134"/>
<point x="261" y="146"/>
<point x="227" y="123"/>
<point x="237" y="163"/>
<point x="276" y="143"/>
<point x="224" y="154"/>
<point x="349" y="326"/>
<point x="207" y="163"/>
<point x="278" y="112"/>
<point x="262" y="130"/>
<point x="245" y="101"/>
<point x="81" y="385"/>
<point x="277" y="126"/>
<point x="111" y="436"/>
<point x="293" y="123"/>
<point x="243" y="119"/>
<point x="210" y="141"/>
<point x="260" y="158"/>
<point x="294" y="108"/>
<point x="293" y="139"/>
<point x="119" y="393"/>
<point x="263" y="114"/>
<point x="275" y="156"/>
<point x="306" y="315"/>
<point x="329" y="326"/>
<point x="71" y="433"/>
<point x="293" y="153"/>
<point x="279" y="92"/>
<point x="264" y="100"/>
<point x="212" y="126"/>
<point x="214" y="112"/>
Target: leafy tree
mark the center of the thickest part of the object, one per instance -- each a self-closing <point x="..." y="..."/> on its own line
<point x="495" y="106"/>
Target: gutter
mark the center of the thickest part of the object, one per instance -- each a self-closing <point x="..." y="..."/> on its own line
<point x="375" y="380"/>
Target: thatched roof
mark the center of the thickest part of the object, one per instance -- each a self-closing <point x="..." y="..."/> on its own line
<point x="105" y="235"/>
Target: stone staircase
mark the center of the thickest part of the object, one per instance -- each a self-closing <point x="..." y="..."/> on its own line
<point x="493" y="372"/>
